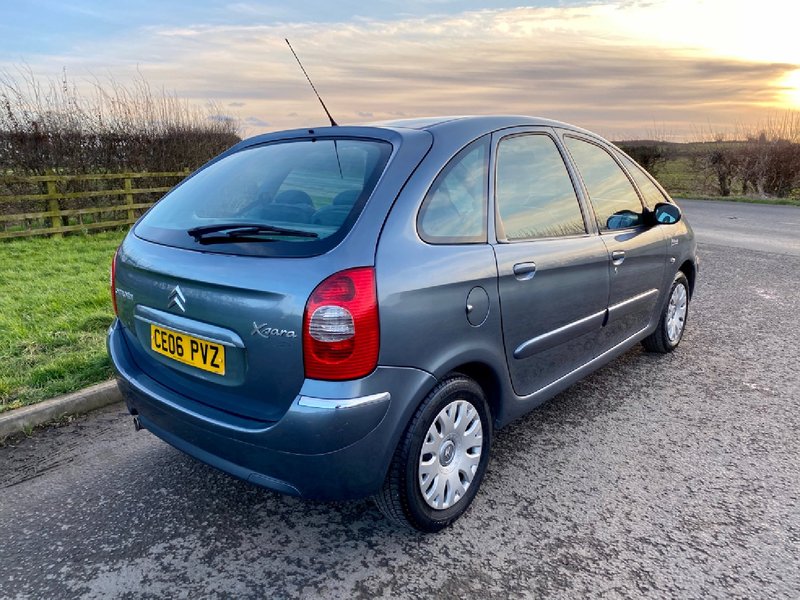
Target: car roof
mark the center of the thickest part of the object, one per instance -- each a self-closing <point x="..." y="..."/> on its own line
<point x="450" y="132"/>
<point x="488" y="122"/>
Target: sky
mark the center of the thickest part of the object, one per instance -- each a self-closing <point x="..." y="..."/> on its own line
<point x="658" y="68"/>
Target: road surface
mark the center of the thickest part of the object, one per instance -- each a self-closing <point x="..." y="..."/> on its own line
<point x="761" y="227"/>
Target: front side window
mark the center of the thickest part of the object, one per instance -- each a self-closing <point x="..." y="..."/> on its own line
<point x="454" y="209"/>
<point x="533" y="191"/>
<point x="613" y="196"/>
<point x="296" y="198"/>
<point x="650" y="192"/>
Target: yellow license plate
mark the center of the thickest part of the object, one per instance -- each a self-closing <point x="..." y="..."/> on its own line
<point x="188" y="349"/>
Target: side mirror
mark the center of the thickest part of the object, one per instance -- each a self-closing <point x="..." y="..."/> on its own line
<point x="666" y="214"/>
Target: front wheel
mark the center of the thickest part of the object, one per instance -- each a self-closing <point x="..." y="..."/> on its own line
<point x="672" y="322"/>
<point x="441" y="459"/>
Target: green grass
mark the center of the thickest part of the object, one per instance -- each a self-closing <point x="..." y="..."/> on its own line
<point x="751" y="199"/>
<point x="680" y="179"/>
<point x="55" y="309"/>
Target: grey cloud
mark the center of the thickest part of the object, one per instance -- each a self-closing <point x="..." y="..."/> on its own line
<point x="256" y="122"/>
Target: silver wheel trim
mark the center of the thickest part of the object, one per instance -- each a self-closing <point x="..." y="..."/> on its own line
<point x="450" y="455"/>
<point x="676" y="312"/>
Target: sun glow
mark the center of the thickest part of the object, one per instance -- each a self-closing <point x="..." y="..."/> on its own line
<point x="790" y="88"/>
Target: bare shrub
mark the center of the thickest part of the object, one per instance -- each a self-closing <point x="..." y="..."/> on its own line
<point x="651" y="155"/>
<point x="763" y="160"/>
<point x="769" y="167"/>
<point x="724" y="162"/>
<point x="50" y="125"/>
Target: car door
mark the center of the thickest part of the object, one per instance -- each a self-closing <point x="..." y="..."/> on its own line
<point x="553" y="274"/>
<point x="638" y="250"/>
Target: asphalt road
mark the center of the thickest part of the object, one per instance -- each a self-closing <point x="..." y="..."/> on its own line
<point x="657" y="476"/>
<point x="752" y="226"/>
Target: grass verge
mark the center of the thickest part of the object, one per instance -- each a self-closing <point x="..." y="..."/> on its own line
<point x="749" y="199"/>
<point x="55" y="309"/>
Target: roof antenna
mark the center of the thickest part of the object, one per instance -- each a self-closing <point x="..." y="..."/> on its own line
<point x="325" y="108"/>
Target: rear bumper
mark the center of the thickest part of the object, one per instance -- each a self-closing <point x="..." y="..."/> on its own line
<point x="334" y="442"/>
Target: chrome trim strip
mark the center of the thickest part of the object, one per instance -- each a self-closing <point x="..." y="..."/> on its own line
<point x="620" y="307"/>
<point x="633" y="299"/>
<point x="184" y="332"/>
<point x="559" y="336"/>
<point x="339" y="403"/>
<point x="597" y="359"/>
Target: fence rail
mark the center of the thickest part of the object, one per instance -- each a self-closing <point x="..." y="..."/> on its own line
<point x="51" y="204"/>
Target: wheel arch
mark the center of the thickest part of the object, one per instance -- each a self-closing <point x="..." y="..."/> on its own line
<point x="689" y="269"/>
<point x="488" y="380"/>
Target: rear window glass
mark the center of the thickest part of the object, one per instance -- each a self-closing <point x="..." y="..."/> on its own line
<point x="533" y="191"/>
<point x="295" y="198"/>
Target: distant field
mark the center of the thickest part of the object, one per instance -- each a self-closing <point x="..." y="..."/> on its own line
<point x="55" y="309"/>
<point x="679" y="179"/>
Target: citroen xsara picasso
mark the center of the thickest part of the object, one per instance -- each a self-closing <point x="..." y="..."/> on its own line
<point x="345" y="312"/>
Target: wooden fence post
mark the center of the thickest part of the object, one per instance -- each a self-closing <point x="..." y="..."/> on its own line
<point x="129" y="199"/>
<point x="54" y="220"/>
<point x="53" y="207"/>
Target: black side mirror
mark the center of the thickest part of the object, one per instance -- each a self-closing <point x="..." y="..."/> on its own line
<point x="665" y="213"/>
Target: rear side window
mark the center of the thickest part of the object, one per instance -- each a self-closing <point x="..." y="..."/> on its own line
<point x="454" y="209"/>
<point x="533" y="191"/>
<point x="613" y="196"/>
<point x="315" y="188"/>
<point x="650" y="192"/>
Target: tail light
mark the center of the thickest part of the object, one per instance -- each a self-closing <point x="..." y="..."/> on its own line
<point x="113" y="282"/>
<point x="341" y="336"/>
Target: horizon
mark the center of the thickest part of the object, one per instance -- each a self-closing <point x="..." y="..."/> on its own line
<point x="628" y="70"/>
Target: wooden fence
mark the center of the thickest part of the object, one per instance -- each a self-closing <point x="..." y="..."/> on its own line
<point x="57" y="204"/>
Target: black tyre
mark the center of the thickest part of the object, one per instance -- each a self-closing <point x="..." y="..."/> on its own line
<point x="672" y="322"/>
<point x="441" y="459"/>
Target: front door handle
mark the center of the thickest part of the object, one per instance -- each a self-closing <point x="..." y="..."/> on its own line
<point x="525" y="271"/>
<point x="617" y="256"/>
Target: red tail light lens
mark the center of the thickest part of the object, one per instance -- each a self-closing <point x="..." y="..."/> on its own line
<point x="114" y="281"/>
<point x="341" y="336"/>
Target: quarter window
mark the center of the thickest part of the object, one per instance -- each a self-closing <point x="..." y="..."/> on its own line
<point x="534" y="194"/>
<point x="454" y="209"/>
<point x="612" y="194"/>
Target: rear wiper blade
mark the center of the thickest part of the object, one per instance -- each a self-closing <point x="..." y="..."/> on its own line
<point x="243" y="230"/>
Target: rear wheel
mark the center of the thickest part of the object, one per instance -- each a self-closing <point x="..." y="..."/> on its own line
<point x="672" y="321"/>
<point x="441" y="459"/>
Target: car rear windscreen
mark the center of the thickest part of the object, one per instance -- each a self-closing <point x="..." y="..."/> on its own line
<point x="291" y="198"/>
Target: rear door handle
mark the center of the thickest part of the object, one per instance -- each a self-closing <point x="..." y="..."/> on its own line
<point x="525" y="271"/>
<point x="617" y="256"/>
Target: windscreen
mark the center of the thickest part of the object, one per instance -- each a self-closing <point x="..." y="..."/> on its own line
<point x="292" y="198"/>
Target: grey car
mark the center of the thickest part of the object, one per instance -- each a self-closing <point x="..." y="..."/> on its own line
<point x="345" y="312"/>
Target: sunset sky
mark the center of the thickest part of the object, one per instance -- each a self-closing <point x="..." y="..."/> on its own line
<point x="625" y="69"/>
